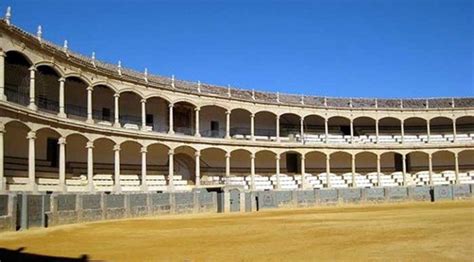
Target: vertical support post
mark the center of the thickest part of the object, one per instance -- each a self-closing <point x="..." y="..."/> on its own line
<point x="197" y="171"/>
<point x="376" y="131"/>
<point x="326" y="131"/>
<point x="2" y="75"/>
<point x="171" y="170"/>
<point x="170" y="119"/>
<point x="328" y="170"/>
<point x="454" y="130"/>
<point x="303" y="171"/>
<point x="352" y="131"/>
<point x="32" y="104"/>
<point x="197" y="132"/>
<point x="117" y="108"/>
<point x="227" y="164"/>
<point x="277" y="170"/>
<point x="62" y="164"/>
<point x="428" y="130"/>
<point x="404" y="170"/>
<point x="143" y="103"/>
<point x="456" y="167"/>
<point x="277" y="128"/>
<point x="252" y="126"/>
<point x="90" y="166"/>
<point x="31" y="160"/>
<point x="89" y="105"/>
<point x="252" y="170"/>
<point x="61" y="113"/>
<point x="302" y="129"/>
<point x="144" y="169"/>
<point x="353" y="169"/>
<point x="402" y="128"/>
<point x="430" y="168"/>
<point x="378" y="170"/>
<point x="227" y="124"/>
<point x="118" y="187"/>
<point x="3" y="184"/>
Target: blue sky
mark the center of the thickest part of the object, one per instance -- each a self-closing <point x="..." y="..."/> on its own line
<point x="417" y="48"/>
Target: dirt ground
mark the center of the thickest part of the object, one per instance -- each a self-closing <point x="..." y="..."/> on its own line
<point x="401" y="231"/>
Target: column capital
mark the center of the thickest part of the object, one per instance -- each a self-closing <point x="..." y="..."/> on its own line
<point x="170" y="152"/>
<point x="32" y="68"/>
<point x="252" y="115"/>
<point x="227" y="112"/>
<point x="31" y="135"/>
<point x="277" y="157"/>
<point x="430" y="156"/>
<point x="227" y="155"/>
<point x="2" y="53"/>
<point x="378" y="157"/>
<point x="171" y="105"/>
<point x="144" y="149"/>
<point x="303" y="157"/>
<point x="328" y="157"/>
<point x="2" y="128"/>
<point x="197" y="109"/>
<point x="117" y="95"/>
<point x="62" y="79"/>
<point x="62" y="141"/>
<point x="143" y="100"/>
<point x="116" y="147"/>
<point x="90" y="88"/>
<point x="197" y="153"/>
<point x="252" y="155"/>
<point x="90" y="144"/>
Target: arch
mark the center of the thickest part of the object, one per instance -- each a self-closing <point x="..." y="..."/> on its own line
<point x="76" y="154"/>
<point x="340" y="162"/>
<point x="240" y="122"/>
<point x="75" y="97"/>
<point x="290" y="126"/>
<point x="365" y="162"/>
<point x="15" y="144"/>
<point x="265" y="125"/>
<point x="364" y="126"/>
<point x="130" y="90"/>
<point x="265" y="111"/>
<point x="130" y="111"/>
<point x="210" y="147"/>
<point x="17" y="77"/>
<point x="74" y="133"/>
<point x="212" y="121"/>
<point x="78" y="76"/>
<point x="464" y="125"/>
<point x="183" y="148"/>
<point x="51" y="65"/>
<point x="103" y="156"/>
<point x="391" y="161"/>
<point x="314" y="124"/>
<point x="48" y="129"/>
<point x="106" y="84"/>
<point x="155" y="143"/>
<point x="417" y="161"/>
<point x="10" y="122"/>
<point x="19" y="53"/>
<point x="103" y="104"/>
<point x="159" y="96"/>
<point x="415" y="126"/>
<point x="240" y="161"/>
<point x="390" y="126"/>
<point x="265" y="162"/>
<point x="47" y="88"/>
<point x="466" y="160"/>
<point x="184" y="100"/>
<point x="443" y="160"/>
<point x="339" y="126"/>
<point x="213" y="162"/>
<point x="315" y="162"/>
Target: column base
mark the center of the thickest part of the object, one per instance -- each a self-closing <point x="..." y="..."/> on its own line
<point x="3" y="185"/>
<point x="171" y="188"/>
<point x="144" y="188"/>
<point x="170" y="132"/>
<point x="227" y="137"/>
<point x="91" y="188"/>
<point x="3" y="97"/>
<point x="33" y="106"/>
<point x="117" y="124"/>
<point x="62" y="115"/>
<point x="197" y="135"/>
<point x="118" y="189"/>
<point x="90" y="121"/>
<point x="34" y="188"/>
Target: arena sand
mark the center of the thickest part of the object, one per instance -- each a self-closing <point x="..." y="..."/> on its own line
<point x="420" y="231"/>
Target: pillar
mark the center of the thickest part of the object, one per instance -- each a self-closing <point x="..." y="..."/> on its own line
<point x="326" y="131"/>
<point x="62" y="164"/>
<point x="227" y="124"/>
<point x="170" y="119"/>
<point x="402" y="129"/>
<point x="302" y="129"/>
<point x="404" y="170"/>
<point x="227" y="164"/>
<point x="428" y="130"/>
<point x="144" y="169"/>
<point x="117" y="108"/>
<point x="376" y="131"/>
<point x="143" y="104"/>
<point x="303" y="171"/>
<point x="61" y="113"/>
<point x="252" y="171"/>
<point x="118" y="187"/>
<point x="197" y="132"/>
<point x="2" y="174"/>
<point x="378" y="170"/>
<point x="171" y="169"/>
<point x="89" y="105"/>
<point x="277" y="170"/>
<point x="252" y="126"/>
<point x="32" y="104"/>
<point x="2" y="75"/>
<point x="90" y="165"/>
<point x="277" y="128"/>
<point x="352" y="131"/>
<point x="197" y="172"/>
<point x="430" y="168"/>
<point x="456" y="167"/>
<point x="353" y="169"/>
<point x="31" y="160"/>
<point x="328" y="170"/>
<point x="454" y="130"/>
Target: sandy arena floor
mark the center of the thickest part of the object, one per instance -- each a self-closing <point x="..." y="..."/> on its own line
<point x="405" y="231"/>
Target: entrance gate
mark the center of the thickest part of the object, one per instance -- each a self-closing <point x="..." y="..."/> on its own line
<point x="234" y="200"/>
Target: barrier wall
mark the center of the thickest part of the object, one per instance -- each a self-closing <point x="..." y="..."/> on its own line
<point x="23" y="211"/>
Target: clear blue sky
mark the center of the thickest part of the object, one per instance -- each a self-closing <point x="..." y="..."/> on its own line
<point x="403" y="48"/>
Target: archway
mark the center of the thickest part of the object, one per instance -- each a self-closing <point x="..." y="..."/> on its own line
<point x="17" y="78"/>
<point x="240" y="123"/>
<point x="75" y="98"/>
<point x="212" y="121"/>
<point x="47" y="89"/>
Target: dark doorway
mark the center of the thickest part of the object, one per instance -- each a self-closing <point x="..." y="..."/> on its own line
<point x="292" y="162"/>
<point x="149" y="119"/>
<point x="398" y="162"/>
<point x="52" y="151"/>
<point x="106" y="114"/>
<point x="214" y="128"/>
<point x="234" y="200"/>
<point x="346" y="130"/>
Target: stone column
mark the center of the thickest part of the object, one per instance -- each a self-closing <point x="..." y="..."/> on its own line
<point x="252" y="171"/>
<point x="117" y="108"/>
<point x="89" y="105"/>
<point x="456" y="167"/>
<point x="378" y="170"/>
<point x="326" y="131"/>
<point x="2" y="75"/>
<point x="302" y="129"/>
<point x="197" y="166"/>
<point x="144" y="169"/>
<point x="170" y="119"/>
<point x="197" y="132"/>
<point x="328" y="170"/>
<point x="31" y="160"/>
<point x="376" y="131"/>
<point x="404" y="171"/>
<point x="62" y="164"/>
<point x="352" y="131"/>
<point x="278" y="129"/>
<point x="61" y="113"/>
<point x="430" y="168"/>
<point x="171" y="170"/>
<point x="143" y="104"/>
<point x="353" y="169"/>
<point x="252" y="126"/>
<point x="3" y="184"/>
<point x="227" y="124"/>
<point x="428" y="130"/>
<point x="277" y="169"/>
<point x="90" y="165"/>
<point x="454" y="130"/>
<point x="227" y="164"/>
<point x="303" y="171"/>
<point x="117" y="186"/>
<point x="32" y="104"/>
<point x="402" y="129"/>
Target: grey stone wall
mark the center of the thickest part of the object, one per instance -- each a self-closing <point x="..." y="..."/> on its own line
<point x="283" y="198"/>
<point x="327" y="196"/>
<point x="3" y="205"/>
<point x="350" y="194"/>
<point x="419" y="193"/>
<point x="461" y="191"/>
<point x="160" y="203"/>
<point x="207" y="201"/>
<point x="266" y="199"/>
<point x="8" y="218"/>
<point x="373" y="194"/>
<point x="137" y="205"/>
<point x="396" y="193"/>
<point x="442" y="193"/>
<point x="305" y="198"/>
